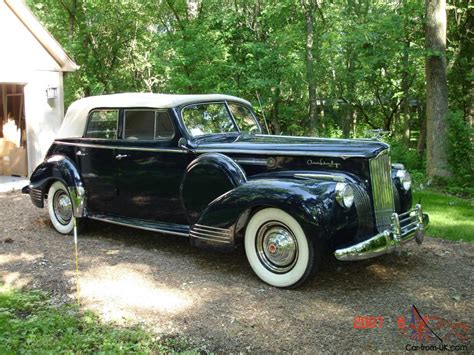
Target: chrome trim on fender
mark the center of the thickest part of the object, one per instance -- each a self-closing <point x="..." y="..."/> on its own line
<point x="36" y="194"/>
<point x="251" y="161"/>
<point x="389" y="240"/>
<point x="321" y="177"/>
<point x="210" y="239"/>
<point x="212" y="234"/>
<point x="217" y="230"/>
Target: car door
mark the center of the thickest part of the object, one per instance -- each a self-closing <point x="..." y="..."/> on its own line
<point x="150" y="166"/>
<point x="95" y="156"/>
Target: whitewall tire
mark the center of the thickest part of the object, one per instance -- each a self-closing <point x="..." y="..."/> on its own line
<point x="277" y="248"/>
<point x="60" y="208"/>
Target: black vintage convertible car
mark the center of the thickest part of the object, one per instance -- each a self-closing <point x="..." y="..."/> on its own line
<point x="199" y="166"/>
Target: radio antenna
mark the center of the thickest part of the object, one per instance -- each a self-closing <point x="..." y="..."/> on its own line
<point x="263" y="113"/>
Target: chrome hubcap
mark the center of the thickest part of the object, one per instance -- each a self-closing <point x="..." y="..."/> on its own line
<point x="62" y="207"/>
<point x="277" y="247"/>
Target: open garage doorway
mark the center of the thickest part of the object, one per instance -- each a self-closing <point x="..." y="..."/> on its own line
<point x="13" y="142"/>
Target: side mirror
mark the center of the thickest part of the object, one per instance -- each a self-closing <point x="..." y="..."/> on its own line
<point x="183" y="144"/>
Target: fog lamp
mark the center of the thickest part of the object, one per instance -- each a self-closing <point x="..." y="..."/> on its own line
<point x="344" y="194"/>
<point x="405" y="179"/>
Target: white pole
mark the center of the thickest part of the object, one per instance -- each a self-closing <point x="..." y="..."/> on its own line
<point x="77" y="262"/>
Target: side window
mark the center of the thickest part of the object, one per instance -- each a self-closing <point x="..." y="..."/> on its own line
<point x="102" y="124"/>
<point x="164" y="127"/>
<point x="139" y="124"/>
<point x="147" y="125"/>
<point x="244" y="118"/>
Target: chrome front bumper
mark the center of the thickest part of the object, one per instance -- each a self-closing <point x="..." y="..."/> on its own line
<point x="405" y="227"/>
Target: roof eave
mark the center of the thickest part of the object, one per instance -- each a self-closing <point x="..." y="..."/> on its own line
<point x="46" y="39"/>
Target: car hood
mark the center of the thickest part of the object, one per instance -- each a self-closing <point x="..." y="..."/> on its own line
<point x="286" y="145"/>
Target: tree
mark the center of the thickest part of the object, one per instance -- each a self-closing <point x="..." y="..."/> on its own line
<point x="335" y="68"/>
<point x="309" y="7"/>
<point x="436" y="89"/>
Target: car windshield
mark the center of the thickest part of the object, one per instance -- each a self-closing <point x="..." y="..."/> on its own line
<point x="214" y="118"/>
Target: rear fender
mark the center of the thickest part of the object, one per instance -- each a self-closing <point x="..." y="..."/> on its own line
<point x="58" y="168"/>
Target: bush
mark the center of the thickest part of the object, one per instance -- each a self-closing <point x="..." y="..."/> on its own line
<point x="406" y="156"/>
<point x="460" y="151"/>
<point x="413" y="162"/>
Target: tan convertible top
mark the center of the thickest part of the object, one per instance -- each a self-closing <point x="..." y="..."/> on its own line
<point x="76" y="117"/>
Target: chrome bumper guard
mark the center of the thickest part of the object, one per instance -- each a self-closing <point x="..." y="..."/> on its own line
<point x="404" y="227"/>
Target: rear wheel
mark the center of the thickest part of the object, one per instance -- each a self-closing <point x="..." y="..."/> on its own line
<point x="277" y="248"/>
<point x="60" y="208"/>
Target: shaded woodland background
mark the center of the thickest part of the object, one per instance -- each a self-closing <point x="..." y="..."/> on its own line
<point x="333" y="68"/>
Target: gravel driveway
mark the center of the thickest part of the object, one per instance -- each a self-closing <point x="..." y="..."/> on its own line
<point x="215" y="301"/>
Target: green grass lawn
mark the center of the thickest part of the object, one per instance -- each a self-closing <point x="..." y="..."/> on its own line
<point x="29" y="323"/>
<point x="450" y="217"/>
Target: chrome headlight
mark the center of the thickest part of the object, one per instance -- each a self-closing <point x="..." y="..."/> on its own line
<point x="405" y="179"/>
<point x="344" y="194"/>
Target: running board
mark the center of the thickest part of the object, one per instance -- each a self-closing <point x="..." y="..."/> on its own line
<point x="168" y="228"/>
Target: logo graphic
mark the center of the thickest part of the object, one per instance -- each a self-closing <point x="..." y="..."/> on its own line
<point x="434" y="329"/>
<point x="320" y="162"/>
<point x="425" y="332"/>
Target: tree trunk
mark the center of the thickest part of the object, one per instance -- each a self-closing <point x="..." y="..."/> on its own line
<point x="275" y="111"/>
<point x="406" y="97"/>
<point x="72" y="19"/>
<point x="354" y="123"/>
<point x="421" y="146"/>
<point x="405" y="121"/>
<point x="309" y="8"/>
<point x="347" y="120"/>
<point x="436" y="89"/>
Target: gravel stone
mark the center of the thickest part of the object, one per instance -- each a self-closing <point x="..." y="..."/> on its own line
<point x="214" y="300"/>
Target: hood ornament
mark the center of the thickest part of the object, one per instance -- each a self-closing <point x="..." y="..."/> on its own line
<point x="320" y="162"/>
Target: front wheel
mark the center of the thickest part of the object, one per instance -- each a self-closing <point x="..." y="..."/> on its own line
<point x="277" y="248"/>
<point x="60" y="208"/>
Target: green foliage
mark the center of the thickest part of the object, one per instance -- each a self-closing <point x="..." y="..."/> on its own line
<point x="369" y="58"/>
<point x="451" y="217"/>
<point x="461" y="156"/>
<point x="244" y="48"/>
<point x="29" y="323"/>
<point x="408" y="157"/>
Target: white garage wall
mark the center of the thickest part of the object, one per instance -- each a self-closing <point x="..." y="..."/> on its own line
<point x="25" y="61"/>
<point x="20" y="51"/>
<point x="43" y="117"/>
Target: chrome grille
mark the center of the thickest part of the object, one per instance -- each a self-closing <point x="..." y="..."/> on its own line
<point x="382" y="191"/>
<point x="36" y="194"/>
<point x="212" y="234"/>
<point x="364" y="211"/>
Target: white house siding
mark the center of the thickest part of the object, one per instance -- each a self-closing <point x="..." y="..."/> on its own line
<point x="43" y="117"/>
<point x="25" y="61"/>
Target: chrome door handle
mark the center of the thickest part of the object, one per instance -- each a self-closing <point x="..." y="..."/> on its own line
<point x="121" y="156"/>
<point x="80" y="153"/>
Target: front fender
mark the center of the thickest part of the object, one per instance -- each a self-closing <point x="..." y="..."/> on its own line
<point x="310" y="202"/>
<point x="58" y="168"/>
